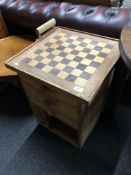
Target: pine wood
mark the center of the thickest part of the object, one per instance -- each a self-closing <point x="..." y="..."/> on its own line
<point x="10" y="46"/>
<point x="3" y="28"/>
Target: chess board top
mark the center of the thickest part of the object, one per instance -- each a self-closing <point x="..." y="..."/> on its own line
<point x="73" y="61"/>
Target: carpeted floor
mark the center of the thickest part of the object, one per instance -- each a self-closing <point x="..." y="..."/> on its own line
<point x="16" y="123"/>
<point x="126" y="4"/>
<point x="26" y="148"/>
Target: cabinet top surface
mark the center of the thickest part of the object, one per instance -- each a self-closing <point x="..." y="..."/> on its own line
<point x="73" y="61"/>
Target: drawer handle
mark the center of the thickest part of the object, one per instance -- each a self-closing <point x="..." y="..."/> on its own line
<point x="45" y="88"/>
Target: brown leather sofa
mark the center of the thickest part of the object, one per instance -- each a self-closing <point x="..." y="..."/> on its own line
<point x="23" y="16"/>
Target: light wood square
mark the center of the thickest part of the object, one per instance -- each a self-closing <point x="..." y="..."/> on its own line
<point x="62" y="75"/>
<point x="43" y="47"/>
<point x="65" y="44"/>
<point x="53" y="40"/>
<point x="67" y="50"/>
<point x="101" y="44"/>
<point x="76" y="72"/>
<point x="86" y="61"/>
<point x="32" y="55"/>
<point x="90" y="69"/>
<point x="58" y="58"/>
<point x="47" y="68"/>
<point x="76" y="42"/>
<point x="87" y="40"/>
<point x="54" y="46"/>
<point x="90" y="46"/>
<point x="33" y="63"/>
<point x="94" y="52"/>
<point x="82" y="54"/>
<point x="56" y="52"/>
<point x="98" y="59"/>
<point x="73" y="64"/>
<point x="46" y="60"/>
<point x="70" y="56"/>
<point x="60" y="66"/>
<point x="79" y="48"/>
<point x="80" y="81"/>
<point x="61" y="34"/>
<point x="64" y="39"/>
<point x="106" y="50"/>
<point x="44" y="54"/>
<point x="74" y="37"/>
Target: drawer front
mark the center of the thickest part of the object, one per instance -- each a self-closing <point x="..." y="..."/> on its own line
<point x="49" y="91"/>
<point x="56" y="126"/>
<point x="47" y="120"/>
<point x="61" y="106"/>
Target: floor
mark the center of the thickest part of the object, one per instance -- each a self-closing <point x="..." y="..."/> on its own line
<point x="26" y="148"/>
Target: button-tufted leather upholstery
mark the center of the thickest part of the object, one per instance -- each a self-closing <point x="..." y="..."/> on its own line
<point x="26" y="15"/>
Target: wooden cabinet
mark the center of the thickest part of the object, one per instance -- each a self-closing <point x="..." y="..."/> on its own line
<point x="66" y="76"/>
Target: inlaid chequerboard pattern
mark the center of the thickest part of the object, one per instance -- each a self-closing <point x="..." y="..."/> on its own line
<point x="69" y="57"/>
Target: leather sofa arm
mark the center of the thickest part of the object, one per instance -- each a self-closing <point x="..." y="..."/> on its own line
<point x="23" y="16"/>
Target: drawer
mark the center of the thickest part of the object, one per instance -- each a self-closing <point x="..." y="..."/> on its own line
<point x="51" y="102"/>
<point x="56" y="126"/>
<point x="33" y="84"/>
<point x="46" y="120"/>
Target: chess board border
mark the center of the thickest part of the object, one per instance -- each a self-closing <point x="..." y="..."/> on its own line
<point x="87" y="94"/>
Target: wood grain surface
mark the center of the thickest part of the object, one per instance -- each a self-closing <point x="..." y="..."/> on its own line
<point x="3" y="28"/>
<point x="10" y="46"/>
<point x="55" y="101"/>
<point x="84" y="91"/>
<point x="125" y="46"/>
